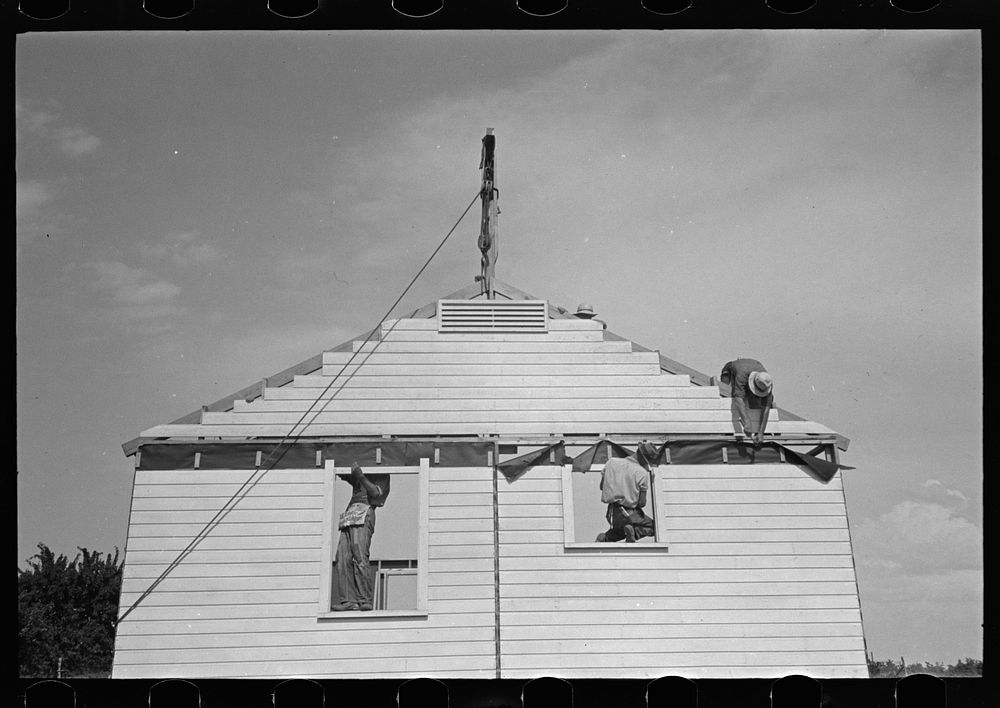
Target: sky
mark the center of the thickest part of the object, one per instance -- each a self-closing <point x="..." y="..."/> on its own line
<point x="198" y="210"/>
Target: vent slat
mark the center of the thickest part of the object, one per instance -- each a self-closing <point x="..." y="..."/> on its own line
<point x="493" y="316"/>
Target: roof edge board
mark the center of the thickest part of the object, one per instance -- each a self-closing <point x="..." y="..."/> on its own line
<point x="571" y="439"/>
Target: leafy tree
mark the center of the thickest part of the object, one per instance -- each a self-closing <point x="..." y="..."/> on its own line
<point x="893" y="669"/>
<point x="67" y="609"/>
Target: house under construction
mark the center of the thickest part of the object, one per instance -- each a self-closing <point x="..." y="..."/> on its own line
<point x="490" y="413"/>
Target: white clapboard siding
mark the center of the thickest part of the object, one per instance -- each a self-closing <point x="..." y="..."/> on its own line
<point x="603" y="389"/>
<point x="601" y="418"/>
<point x="495" y="377"/>
<point x="470" y="343"/>
<point x="332" y="361"/>
<point x="435" y="404"/>
<point x="766" y="582"/>
<point x="244" y="602"/>
<point x="525" y="369"/>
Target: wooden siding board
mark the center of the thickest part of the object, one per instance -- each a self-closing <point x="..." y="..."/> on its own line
<point x="172" y="637"/>
<point x="590" y="617"/>
<point x="796" y="578"/>
<point x="662" y="566"/>
<point x="649" y="599"/>
<point x="338" y="374"/>
<point x="455" y="356"/>
<point x="603" y="661"/>
<point x="225" y="528"/>
<point x="135" y="584"/>
<point x="483" y="415"/>
<point x="470" y="344"/>
<point x="606" y="632"/>
<point x="538" y="402"/>
<point x="668" y="647"/>
<point x="194" y="572"/>
<point x="494" y="377"/>
<point x="676" y="509"/>
<point x="845" y="670"/>
<point x="215" y="556"/>
<point x="404" y="668"/>
<point x="595" y="390"/>
<point x="306" y="503"/>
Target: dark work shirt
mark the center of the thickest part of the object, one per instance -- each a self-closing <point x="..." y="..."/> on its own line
<point x="737" y="373"/>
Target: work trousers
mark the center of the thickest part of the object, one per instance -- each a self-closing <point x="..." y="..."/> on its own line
<point x="746" y="420"/>
<point x="619" y="517"/>
<point x="354" y="571"/>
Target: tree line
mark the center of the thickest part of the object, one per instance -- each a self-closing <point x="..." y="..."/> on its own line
<point x="892" y="669"/>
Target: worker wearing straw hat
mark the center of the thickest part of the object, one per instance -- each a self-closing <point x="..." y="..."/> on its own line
<point x="752" y="390"/>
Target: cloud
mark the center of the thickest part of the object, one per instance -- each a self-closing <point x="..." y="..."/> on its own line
<point x="182" y="248"/>
<point x="75" y="142"/>
<point x="30" y="196"/>
<point x="934" y="490"/>
<point x="920" y="569"/>
<point x="135" y="293"/>
<point x="919" y="538"/>
<point x="70" y="140"/>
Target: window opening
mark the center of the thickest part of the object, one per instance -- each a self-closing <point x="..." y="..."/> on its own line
<point x="398" y="549"/>
<point x="586" y="514"/>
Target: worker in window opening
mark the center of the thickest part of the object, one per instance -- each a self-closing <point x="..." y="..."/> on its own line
<point x="752" y="390"/>
<point x="357" y="525"/>
<point x="623" y="489"/>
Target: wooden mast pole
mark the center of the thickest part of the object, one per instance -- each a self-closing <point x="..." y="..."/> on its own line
<point x="488" y="225"/>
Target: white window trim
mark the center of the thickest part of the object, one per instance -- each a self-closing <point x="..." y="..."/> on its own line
<point x="569" y="532"/>
<point x="330" y="515"/>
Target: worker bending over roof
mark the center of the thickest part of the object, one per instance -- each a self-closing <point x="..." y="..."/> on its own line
<point x="752" y="390"/>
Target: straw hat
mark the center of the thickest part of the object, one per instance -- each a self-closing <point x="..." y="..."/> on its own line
<point x="760" y="383"/>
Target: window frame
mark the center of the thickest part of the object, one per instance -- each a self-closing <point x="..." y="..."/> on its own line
<point x="569" y="520"/>
<point x="331" y="511"/>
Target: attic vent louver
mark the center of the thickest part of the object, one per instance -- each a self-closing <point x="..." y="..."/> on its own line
<point x="493" y="316"/>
